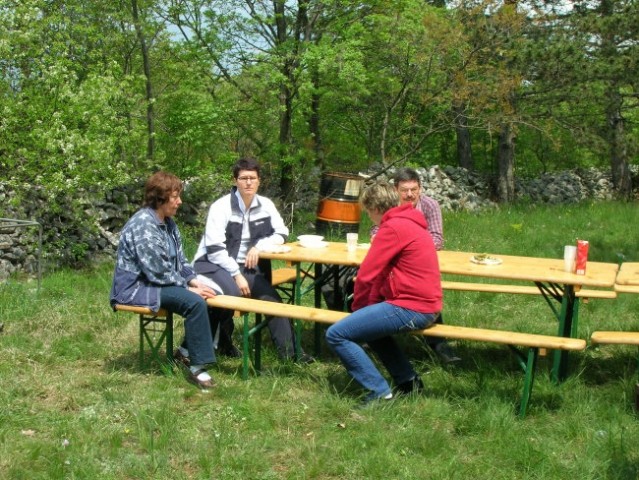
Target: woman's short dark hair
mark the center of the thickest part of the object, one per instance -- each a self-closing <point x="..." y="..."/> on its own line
<point x="159" y="187"/>
<point x="246" y="163"/>
<point x="380" y="197"/>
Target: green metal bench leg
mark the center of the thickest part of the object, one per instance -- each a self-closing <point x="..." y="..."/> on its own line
<point x="141" y="342"/>
<point x="245" y="346"/>
<point x="529" y="378"/>
<point x="258" y="342"/>
<point x="150" y="325"/>
<point x="169" y="337"/>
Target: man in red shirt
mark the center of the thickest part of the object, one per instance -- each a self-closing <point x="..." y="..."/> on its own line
<point x="409" y="186"/>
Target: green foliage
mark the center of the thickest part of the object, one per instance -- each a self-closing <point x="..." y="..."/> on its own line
<point x="329" y="85"/>
<point x="63" y="107"/>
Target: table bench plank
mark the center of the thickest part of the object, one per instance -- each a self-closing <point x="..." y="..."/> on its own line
<point x="519" y="289"/>
<point x="532" y="341"/>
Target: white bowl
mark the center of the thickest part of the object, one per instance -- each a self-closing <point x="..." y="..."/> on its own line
<point x="309" y="239"/>
<point x="308" y="244"/>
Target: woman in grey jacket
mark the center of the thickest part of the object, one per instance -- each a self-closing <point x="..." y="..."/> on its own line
<point x="151" y="271"/>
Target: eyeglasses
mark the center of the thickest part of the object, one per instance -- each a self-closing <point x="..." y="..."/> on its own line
<point x="414" y="190"/>
<point x="247" y="179"/>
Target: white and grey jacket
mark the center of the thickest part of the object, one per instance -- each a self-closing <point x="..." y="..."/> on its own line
<point x="222" y="237"/>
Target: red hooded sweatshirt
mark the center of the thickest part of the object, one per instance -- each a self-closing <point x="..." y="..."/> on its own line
<point x="401" y="266"/>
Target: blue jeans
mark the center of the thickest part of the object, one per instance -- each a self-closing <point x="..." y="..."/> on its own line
<point x="197" y="330"/>
<point x="374" y="325"/>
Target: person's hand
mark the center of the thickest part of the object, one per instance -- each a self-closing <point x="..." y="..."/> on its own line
<point x="202" y="290"/>
<point x="252" y="257"/>
<point x="243" y="285"/>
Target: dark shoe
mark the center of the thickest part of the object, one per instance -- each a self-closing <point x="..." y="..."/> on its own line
<point x="181" y="359"/>
<point x="305" y="358"/>
<point x="371" y="401"/>
<point x="445" y="353"/>
<point x="231" y="352"/>
<point x="411" y="386"/>
<point x="202" y="384"/>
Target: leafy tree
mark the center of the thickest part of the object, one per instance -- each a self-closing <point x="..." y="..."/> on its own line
<point x="609" y="30"/>
<point x="64" y="98"/>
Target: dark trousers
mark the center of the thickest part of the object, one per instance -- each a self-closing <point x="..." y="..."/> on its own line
<point x="433" y="342"/>
<point x="280" y="328"/>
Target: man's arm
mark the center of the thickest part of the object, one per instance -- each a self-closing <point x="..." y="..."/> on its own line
<point x="433" y="214"/>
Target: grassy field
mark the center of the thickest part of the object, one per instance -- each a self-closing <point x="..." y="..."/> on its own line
<point x="75" y="405"/>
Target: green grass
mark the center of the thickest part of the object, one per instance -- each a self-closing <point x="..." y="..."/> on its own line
<point x="75" y="405"/>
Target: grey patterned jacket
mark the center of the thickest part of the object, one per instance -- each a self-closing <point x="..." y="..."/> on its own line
<point x="144" y="263"/>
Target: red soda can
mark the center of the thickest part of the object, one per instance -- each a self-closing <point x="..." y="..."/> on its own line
<point x="582" y="257"/>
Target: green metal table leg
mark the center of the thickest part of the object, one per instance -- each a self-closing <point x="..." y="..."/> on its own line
<point x="298" y="340"/>
<point x="575" y="318"/>
<point x="566" y="319"/>
<point x="317" y="328"/>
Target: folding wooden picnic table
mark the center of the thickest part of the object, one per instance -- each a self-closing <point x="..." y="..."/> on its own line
<point x="557" y="286"/>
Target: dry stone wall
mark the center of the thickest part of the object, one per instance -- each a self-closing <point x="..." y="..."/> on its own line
<point x="88" y="227"/>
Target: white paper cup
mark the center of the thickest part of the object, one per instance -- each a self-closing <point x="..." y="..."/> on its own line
<point x="351" y="241"/>
<point x="570" y="254"/>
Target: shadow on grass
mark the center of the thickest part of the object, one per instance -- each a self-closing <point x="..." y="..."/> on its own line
<point x="130" y="363"/>
<point x="605" y="365"/>
<point x="485" y="371"/>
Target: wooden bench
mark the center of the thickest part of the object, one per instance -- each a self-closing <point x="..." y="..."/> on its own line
<point x="519" y="289"/>
<point x="614" y="338"/>
<point x="603" y="337"/>
<point x="156" y="329"/>
<point x="527" y="361"/>
<point x="283" y="279"/>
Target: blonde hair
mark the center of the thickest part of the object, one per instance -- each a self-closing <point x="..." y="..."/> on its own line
<point x="380" y="197"/>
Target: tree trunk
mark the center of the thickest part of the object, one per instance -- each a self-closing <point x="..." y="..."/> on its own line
<point x="506" y="164"/>
<point x="621" y="178"/>
<point x="464" y="147"/>
<point x="150" y="115"/>
<point x="286" y="168"/>
<point x="314" y="125"/>
<point x="285" y="101"/>
<point x="615" y="124"/>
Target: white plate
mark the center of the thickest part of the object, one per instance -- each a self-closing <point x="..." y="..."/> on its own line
<point x="485" y="260"/>
<point x="277" y="249"/>
<point x="310" y="238"/>
<point x="314" y="244"/>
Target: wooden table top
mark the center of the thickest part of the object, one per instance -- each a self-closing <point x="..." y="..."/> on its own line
<point x="334" y="253"/>
<point x="451" y="262"/>
<point x="628" y="278"/>
<point x="532" y="269"/>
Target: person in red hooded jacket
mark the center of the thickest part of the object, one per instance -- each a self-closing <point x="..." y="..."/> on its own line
<point x="398" y="289"/>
